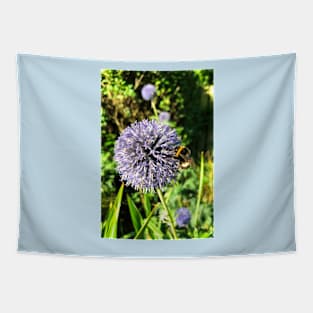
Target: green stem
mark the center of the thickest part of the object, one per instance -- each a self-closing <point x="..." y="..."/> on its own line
<point x="160" y="194"/>
<point x="144" y="225"/>
<point x="197" y="212"/>
<point x="155" y="111"/>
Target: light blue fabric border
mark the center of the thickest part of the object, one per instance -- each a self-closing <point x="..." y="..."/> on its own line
<point x="60" y="158"/>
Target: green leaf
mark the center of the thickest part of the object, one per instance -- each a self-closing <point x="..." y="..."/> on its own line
<point x="146" y="203"/>
<point x="128" y="236"/>
<point x="145" y="223"/>
<point x="112" y="219"/>
<point x="198" y="208"/>
<point x="134" y="214"/>
<point x="155" y="230"/>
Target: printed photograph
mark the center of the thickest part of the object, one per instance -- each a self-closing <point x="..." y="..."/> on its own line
<point x="157" y="154"/>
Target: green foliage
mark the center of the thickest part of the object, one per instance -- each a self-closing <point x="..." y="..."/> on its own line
<point x="135" y="215"/>
<point x="110" y="224"/>
<point x="188" y="97"/>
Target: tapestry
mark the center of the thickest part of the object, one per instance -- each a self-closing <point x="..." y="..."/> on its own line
<point x="156" y="159"/>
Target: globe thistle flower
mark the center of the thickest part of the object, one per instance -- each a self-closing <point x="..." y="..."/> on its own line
<point x="145" y="155"/>
<point x="148" y="92"/>
<point x="183" y="217"/>
<point x="164" y="117"/>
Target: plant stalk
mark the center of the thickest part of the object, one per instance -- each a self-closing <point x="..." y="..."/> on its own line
<point x="144" y="225"/>
<point x="197" y="212"/>
<point x="155" y="111"/>
<point x="160" y="194"/>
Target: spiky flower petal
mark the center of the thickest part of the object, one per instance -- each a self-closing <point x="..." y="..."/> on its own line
<point x="145" y="155"/>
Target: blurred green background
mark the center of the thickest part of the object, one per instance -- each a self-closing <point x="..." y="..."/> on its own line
<point x="188" y="97"/>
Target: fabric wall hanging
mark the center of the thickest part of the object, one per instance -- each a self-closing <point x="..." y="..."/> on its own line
<point x="171" y="159"/>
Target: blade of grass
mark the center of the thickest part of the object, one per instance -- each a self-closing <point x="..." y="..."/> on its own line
<point x="135" y="215"/>
<point x="146" y="203"/>
<point x="102" y="228"/>
<point x="112" y="219"/>
<point x="168" y="193"/>
<point x="128" y="236"/>
<point x="145" y="223"/>
<point x="157" y="233"/>
<point x="172" y="226"/>
<point x="169" y="234"/>
<point x="197" y="212"/>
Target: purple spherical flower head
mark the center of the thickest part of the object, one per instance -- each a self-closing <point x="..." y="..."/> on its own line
<point x="145" y="155"/>
<point x="164" y="117"/>
<point x="148" y="92"/>
<point x="183" y="217"/>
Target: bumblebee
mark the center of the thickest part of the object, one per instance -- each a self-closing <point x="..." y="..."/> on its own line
<point x="184" y="155"/>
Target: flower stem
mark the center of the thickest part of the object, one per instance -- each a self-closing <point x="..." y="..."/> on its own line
<point x="154" y="108"/>
<point x="144" y="225"/>
<point x="160" y="194"/>
<point x="197" y="212"/>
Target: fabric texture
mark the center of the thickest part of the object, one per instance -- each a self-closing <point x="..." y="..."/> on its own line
<point x="60" y="158"/>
